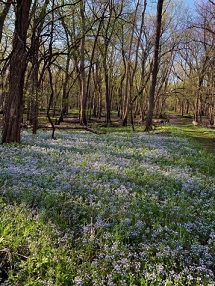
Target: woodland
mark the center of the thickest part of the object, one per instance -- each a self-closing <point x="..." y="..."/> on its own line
<point x="106" y="61"/>
<point x="109" y="177"/>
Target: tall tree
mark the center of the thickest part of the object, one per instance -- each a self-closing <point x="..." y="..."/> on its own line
<point x="111" y="18"/>
<point x="155" y="66"/>
<point x="37" y="26"/>
<point x="131" y="64"/>
<point x="83" y="97"/>
<point x="14" y="103"/>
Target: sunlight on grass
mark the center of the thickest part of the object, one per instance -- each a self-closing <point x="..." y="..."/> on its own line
<point x="115" y="209"/>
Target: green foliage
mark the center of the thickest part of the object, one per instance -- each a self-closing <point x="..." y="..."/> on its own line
<point x="31" y="250"/>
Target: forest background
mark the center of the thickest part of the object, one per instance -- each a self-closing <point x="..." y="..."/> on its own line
<point x="121" y="208"/>
<point x="96" y="60"/>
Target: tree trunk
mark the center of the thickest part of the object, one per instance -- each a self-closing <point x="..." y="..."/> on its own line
<point x="50" y="102"/>
<point x="37" y="28"/>
<point x="18" y="62"/>
<point x="155" y="67"/>
<point x="65" y="96"/>
<point x="131" y="66"/>
<point x="34" y="99"/>
<point x="83" y="97"/>
<point x="107" y="94"/>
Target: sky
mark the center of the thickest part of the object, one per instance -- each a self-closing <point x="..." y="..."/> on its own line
<point x="191" y="3"/>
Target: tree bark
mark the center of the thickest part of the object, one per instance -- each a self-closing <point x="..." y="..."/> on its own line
<point x="83" y="97"/>
<point x="155" y="67"/>
<point x="18" y="62"/>
<point x="131" y="66"/>
<point x="38" y="23"/>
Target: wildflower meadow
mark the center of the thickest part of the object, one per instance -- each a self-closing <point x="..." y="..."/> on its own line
<point x="111" y="209"/>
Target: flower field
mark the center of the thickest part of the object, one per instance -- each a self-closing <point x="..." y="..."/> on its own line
<point x="114" y="209"/>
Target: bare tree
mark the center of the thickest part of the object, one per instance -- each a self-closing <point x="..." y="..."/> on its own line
<point x="14" y="104"/>
<point x="37" y="27"/>
<point x="131" y="64"/>
<point x="155" y="66"/>
<point x="83" y="97"/>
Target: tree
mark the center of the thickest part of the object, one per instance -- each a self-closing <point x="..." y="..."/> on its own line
<point x="104" y="56"/>
<point x="18" y="61"/>
<point x="3" y="51"/>
<point x="155" y="66"/>
<point x="83" y="97"/>
<point x="197" y="62"/>
<point x="37" y="26"/>
<point x="131" y="63"/>
<point x="112" y="11"/>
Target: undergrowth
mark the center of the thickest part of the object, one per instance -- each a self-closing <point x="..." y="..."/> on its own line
<point x="114" y="209"/>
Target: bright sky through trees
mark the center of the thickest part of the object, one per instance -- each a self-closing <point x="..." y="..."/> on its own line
<point x="190" y="3"/>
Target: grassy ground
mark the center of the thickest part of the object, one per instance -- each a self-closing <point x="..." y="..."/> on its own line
<point x="120" y="208"/>
<point x="198" y="134"/>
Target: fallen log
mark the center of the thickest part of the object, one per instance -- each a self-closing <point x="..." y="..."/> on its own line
<point x="87" y="128"/>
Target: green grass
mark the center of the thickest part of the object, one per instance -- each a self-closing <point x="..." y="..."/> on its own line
<point x="200" y="136"/>
<point x="30" y="251"/>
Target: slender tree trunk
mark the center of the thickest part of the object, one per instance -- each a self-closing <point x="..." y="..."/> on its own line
<point x="107" y="93"/>
<point x="34" y="100"/>
<point x="83" y="97"/>
<point x="155" y="66"/>
<point x="127" y="62"/>
<point x="51" y="102"/>
<point x="127" y="94"/>
<point x="38" y="23"/>
<point x="51" y="97"/>
<point x="187" y="106"/>
<point x="18" y="62"/>
<point x="131" y="70"/>
<point x="65" y="96"/>
<point x="98" y="91"/>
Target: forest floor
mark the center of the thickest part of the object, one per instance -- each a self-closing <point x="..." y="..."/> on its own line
<point x="121" y="208"/>
<point x="202" y="135"/>
<point x="205" y="137"/>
